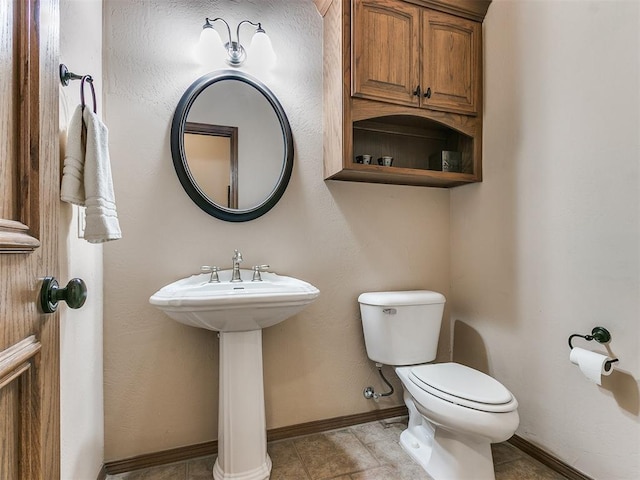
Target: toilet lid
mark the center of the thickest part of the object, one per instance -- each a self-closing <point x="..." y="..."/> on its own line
<point x="397" y="299"/>
<point x="463" y="385"/>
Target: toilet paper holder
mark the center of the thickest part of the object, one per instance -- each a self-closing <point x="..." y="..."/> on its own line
<point x="600" y="335"/>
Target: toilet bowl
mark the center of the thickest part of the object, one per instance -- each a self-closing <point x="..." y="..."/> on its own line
<point x="453" y="438"/>
<point x="455" y="412"/>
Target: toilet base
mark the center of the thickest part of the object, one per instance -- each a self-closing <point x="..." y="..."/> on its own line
<point x="443" y="454"/>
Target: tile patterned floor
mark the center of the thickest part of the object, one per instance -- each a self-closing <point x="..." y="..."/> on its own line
<point x="364" y="452"/>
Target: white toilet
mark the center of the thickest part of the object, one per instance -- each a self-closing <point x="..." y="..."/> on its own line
<point x="455" y="412"/>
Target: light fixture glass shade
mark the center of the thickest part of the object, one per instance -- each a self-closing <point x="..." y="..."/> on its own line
<point x="261" y="54"/>
<point x="210" y="51"/>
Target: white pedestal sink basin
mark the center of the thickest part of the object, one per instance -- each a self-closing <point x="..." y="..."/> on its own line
<point x="239" y="311"/>
<point x="227" y="306"/>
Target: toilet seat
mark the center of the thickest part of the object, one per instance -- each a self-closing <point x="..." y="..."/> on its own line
<point x="463" y="386"/>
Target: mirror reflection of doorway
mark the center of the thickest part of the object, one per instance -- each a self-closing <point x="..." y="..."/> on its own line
<point x="212" y="153"/>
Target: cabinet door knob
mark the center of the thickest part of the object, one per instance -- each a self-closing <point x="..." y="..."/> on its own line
<point x="427" y="94"/>
<point x="416" y="92"/>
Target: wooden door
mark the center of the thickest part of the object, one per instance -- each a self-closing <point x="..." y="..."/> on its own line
<point x="451" y="68"/>
<point x="29" y="175"/>
<point x="385" y="51"/>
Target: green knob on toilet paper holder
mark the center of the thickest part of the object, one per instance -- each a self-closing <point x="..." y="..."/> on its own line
<point x="600" y="335"/>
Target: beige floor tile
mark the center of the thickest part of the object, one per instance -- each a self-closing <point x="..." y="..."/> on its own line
<point x="289" y="471"/>
<point x="380" y="473"/>
<point x="176" y="471"/>
<point x="333" y="454"/>
<point x="393" y="455"/>
<point x="389" y="453"/>
<point x="397" y="423"/>
<point x="286" y="462"/>
<point x="525" y="469"/>
<point x="504" y="452"/>
<point x="282" y="452"/>
<point x="409" y="471"/>
<point x="201" y="468"/>
<point x="375" y="432"/>
<point x="412" y="471"/>
<point x="363" y="452"/>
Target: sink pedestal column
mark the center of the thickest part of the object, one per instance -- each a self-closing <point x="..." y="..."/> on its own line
<point x="242" y="431"/>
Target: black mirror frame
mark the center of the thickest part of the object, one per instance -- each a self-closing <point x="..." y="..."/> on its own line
<point x="180" y="160"/>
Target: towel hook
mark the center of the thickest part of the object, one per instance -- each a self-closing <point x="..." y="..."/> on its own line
<point x="66" y="76"/>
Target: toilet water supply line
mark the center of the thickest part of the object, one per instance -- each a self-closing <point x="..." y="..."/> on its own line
<point x="369" y="393"/>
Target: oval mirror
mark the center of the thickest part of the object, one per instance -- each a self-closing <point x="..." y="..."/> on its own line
<point x="232" y="146"/>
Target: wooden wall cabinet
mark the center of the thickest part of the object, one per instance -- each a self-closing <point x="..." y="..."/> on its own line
<point x="386" y="51"/>
<point x="403" y="78"/>
<point x="451" y="63"/>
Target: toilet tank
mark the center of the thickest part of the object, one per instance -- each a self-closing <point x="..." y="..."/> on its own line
<point x="401" y="328"/>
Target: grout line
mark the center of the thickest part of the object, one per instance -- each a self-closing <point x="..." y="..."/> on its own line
<point x="304" y="466"/>
<point x="380" y="463"/>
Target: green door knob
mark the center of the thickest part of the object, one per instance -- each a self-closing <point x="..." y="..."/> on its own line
<point x="75" y="294"/>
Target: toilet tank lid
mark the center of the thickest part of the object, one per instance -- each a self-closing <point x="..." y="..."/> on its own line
<point x="411" y="297"/>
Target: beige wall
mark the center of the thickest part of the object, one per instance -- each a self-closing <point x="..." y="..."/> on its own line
<point x="81" y="398"/>
<point x="549" y="244"/>
<point x="345" y="238"/>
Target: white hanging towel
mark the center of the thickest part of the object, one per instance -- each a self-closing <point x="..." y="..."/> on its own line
<point x="72" y="189"/>
<point x="86" y="177"/>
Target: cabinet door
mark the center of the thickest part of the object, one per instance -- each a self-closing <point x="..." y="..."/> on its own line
<point x="385" y="51"/>
<point x="451" y="68"/>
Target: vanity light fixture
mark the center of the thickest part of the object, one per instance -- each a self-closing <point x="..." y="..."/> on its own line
<point x="236" y="54"/>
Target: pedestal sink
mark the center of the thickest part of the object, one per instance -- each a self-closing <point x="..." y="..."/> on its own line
<point x="238" y="311"/>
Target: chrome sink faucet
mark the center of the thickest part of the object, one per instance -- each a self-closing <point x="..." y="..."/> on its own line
<point x="237" y="260"/>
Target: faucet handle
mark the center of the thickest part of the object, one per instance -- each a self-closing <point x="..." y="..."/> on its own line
<point x="256" y="272"/>
<point x="213" y="270"/>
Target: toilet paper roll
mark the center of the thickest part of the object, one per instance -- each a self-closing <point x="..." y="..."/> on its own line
<point x="591" y="364"/>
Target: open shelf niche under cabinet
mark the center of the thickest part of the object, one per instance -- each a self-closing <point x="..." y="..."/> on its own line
<point x="415" y="145"/>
